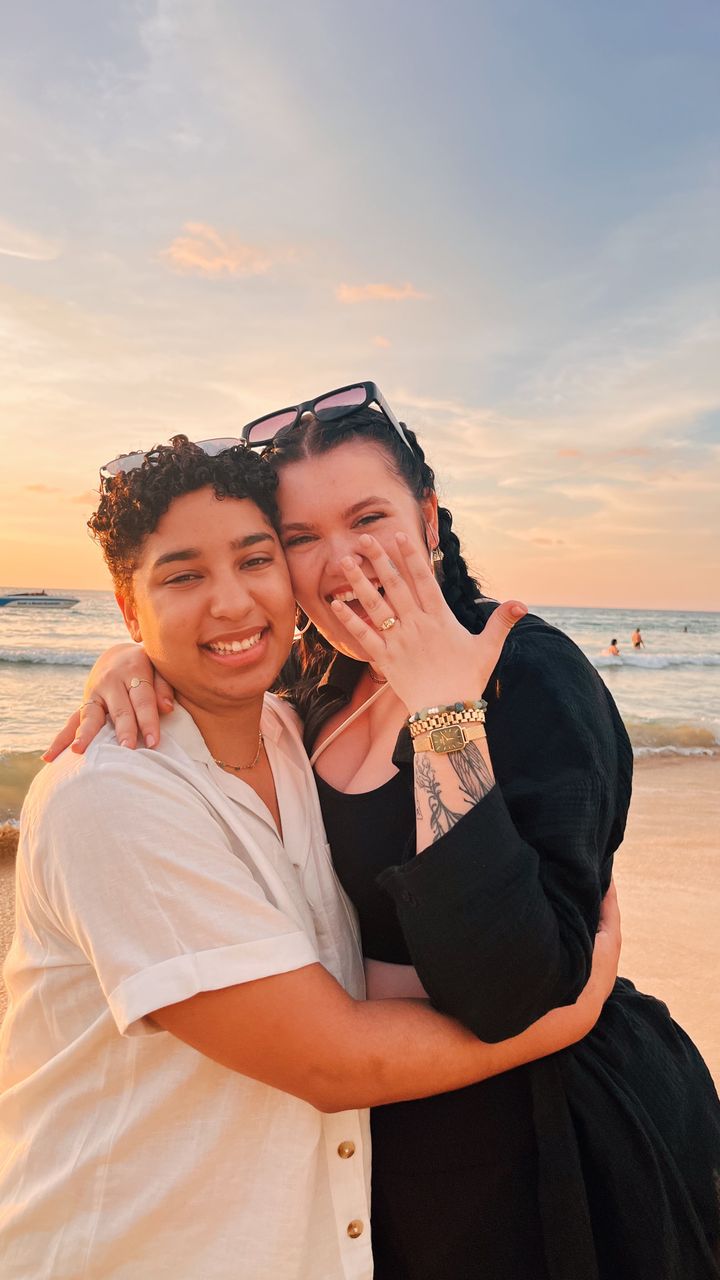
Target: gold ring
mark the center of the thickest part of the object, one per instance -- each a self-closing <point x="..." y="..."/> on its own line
<point x="137" y="681"/>
<point x="387" y="624"/>
<point x="92" y="702"/>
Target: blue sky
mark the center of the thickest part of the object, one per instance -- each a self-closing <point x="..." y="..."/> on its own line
<point x="505" y="214"/>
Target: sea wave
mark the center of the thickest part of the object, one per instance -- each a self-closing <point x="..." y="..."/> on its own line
<point x="654" y="661"/>
<point x="17" y="770"/>
<point x="672" y="737"/>
<point x="49" y="657"/>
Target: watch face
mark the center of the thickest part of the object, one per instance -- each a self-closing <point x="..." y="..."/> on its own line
<point x="449" y="738"/>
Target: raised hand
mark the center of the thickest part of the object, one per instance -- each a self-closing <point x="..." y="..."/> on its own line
<point x="125" y="686"/>
<point x="412" y="636"/>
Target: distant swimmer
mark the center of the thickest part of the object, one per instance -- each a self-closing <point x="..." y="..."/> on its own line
<point x="637" y="640"/>
<point x="612" y="649"/>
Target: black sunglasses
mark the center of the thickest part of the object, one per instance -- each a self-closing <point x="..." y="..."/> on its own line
<point x="328" y="407"/>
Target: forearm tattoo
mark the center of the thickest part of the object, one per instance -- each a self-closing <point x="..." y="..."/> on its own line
<point x="441" y="817"/>
<point x="473" y="776"/>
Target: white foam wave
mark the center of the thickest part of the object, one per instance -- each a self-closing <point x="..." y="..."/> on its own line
<point x="49" y="657"/>
<point x="654" y="661"/>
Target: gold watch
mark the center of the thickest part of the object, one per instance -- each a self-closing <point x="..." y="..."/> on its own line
<point x="449" y="737"/>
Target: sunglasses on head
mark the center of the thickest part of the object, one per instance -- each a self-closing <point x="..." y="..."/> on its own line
<point x="328" y="407"/>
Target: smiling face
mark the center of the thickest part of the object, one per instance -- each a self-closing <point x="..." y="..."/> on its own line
<point x="212" y="602"/>
<point x="326" y="503"/>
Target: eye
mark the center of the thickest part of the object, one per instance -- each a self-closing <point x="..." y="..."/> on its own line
<point x="181" y="578"/>
<point x="257" y="562"/>
<point x="298" y="540"/>
<point x="371" y="517"/>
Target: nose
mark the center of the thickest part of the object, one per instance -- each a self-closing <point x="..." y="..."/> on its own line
<point x="231" y="596"/>
<point x="344" y="543"/>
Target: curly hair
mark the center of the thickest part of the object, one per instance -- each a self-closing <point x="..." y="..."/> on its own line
<point x="133" y="502"/>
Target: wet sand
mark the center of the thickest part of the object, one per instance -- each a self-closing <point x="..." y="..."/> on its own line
<point x="668" y="878"/>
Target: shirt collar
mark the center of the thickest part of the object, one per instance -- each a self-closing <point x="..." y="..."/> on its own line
<point x="181" y="727"/>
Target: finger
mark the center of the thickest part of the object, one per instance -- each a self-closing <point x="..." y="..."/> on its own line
<point x="63" y="738"/>
<point x="398" y="594"/>
<point x="375" y="606"/>
<point x="164" y="693"/>
<point x="124" y="720"/>
<point x="425" y="584"/>
<point x="144" y="704"/>
<point x="366" y="636"/>
<point x="92" y="717"/>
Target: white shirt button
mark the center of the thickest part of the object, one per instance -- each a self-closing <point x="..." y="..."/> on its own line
<point x="346" y="1150"/>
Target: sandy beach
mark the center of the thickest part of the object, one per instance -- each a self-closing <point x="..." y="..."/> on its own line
<point x="669" y="887"/>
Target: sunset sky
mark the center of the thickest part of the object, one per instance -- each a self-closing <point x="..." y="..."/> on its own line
<point x="505" y="214"/>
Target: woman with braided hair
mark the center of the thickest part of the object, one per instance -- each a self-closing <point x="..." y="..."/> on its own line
<point x="477" y="865"/>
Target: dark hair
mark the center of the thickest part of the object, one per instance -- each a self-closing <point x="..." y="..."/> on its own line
<point x="133" y="502"/>
<point x="314" y="437"/>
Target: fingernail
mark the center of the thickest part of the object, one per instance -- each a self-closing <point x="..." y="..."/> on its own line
<point x="518" y="611"/>
<point x="168" y="704"/>
<point x="124" y="742"/>
<point x="365" y="539"/>
<point x="149" y="740"/>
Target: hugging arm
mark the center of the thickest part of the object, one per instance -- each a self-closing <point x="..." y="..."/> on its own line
<point x="108" y="691"/>
<point x="500" y="912"/>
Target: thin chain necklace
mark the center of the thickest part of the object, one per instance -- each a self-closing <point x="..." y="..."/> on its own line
<point x="376" y="679"/>
<point x="242" y="768"/>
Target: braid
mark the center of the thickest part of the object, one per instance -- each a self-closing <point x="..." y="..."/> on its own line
<point x="458" y="586"/>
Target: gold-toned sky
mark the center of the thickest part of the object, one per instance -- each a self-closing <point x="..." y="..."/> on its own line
<point x="507" y="219"/>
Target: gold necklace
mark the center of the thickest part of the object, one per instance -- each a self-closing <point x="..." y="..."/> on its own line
<point x="376" y="679"/>
<point x="241" y="768"/>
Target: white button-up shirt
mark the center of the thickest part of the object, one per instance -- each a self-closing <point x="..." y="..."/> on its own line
<point x="143" y="878"/>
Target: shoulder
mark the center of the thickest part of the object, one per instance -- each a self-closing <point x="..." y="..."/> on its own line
<point x="106" y="786"/>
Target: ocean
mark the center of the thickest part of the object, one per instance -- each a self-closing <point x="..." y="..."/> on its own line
<point x="668" y="693"/>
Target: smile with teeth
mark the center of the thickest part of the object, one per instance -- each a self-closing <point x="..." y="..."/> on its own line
<point x="234" y="646"/>
<point x="347" y="597"/>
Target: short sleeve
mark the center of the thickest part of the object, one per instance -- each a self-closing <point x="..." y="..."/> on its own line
<point x="138" y="871"/>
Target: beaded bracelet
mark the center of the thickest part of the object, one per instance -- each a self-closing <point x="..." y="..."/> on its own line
<point x="478" y="705"/>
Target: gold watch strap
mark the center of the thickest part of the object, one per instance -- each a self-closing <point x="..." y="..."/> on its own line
<point x="449" y="737"/>
<point x="439" y="719"/>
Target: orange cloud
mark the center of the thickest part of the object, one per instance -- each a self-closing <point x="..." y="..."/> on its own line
<point x="350" y="293"/>
<point x="41" y="488"/>
<point x="204" y="251"/>
<point x="569" y="453"/>
<point x="379" y="341"/>
<point x="89" y="498"/>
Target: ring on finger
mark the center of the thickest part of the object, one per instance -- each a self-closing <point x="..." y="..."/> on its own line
<point x="91" y="702"/>
<point x="137" y="681"/>
<point x="387" y="624"/>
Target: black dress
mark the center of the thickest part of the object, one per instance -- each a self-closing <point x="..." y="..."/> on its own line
<point x="603" y="1161"/>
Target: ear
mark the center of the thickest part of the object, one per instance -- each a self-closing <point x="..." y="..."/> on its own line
<point x="127" y="609"/>
<point x="429" y="508"/>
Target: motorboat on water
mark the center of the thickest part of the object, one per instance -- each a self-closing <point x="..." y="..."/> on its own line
<point x="37" y="600"/>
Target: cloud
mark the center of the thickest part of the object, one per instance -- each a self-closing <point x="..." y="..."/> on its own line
<point x="351" y="293"/>
<point x="379" y="341"/>
<point x="88" y="498"/>
<point x="205" y="251"/>
<point x="41" y="488"/>
<point x="17" y="243"/>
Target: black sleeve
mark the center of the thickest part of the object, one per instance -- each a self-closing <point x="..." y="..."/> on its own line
<point x="499" y="914"/>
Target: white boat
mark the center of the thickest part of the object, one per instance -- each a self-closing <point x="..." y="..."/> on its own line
<point x="37" y="600"/>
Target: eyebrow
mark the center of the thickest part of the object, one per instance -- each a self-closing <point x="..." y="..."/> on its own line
<point x="372" y="500"/>
<point x="192" y="553"/>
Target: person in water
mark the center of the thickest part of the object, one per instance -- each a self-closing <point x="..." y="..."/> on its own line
<point x="612" y="649"/>
<point x="602" y="1160"/>
<point x="187" y="1052"/>
<point x="637" y="640"/>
